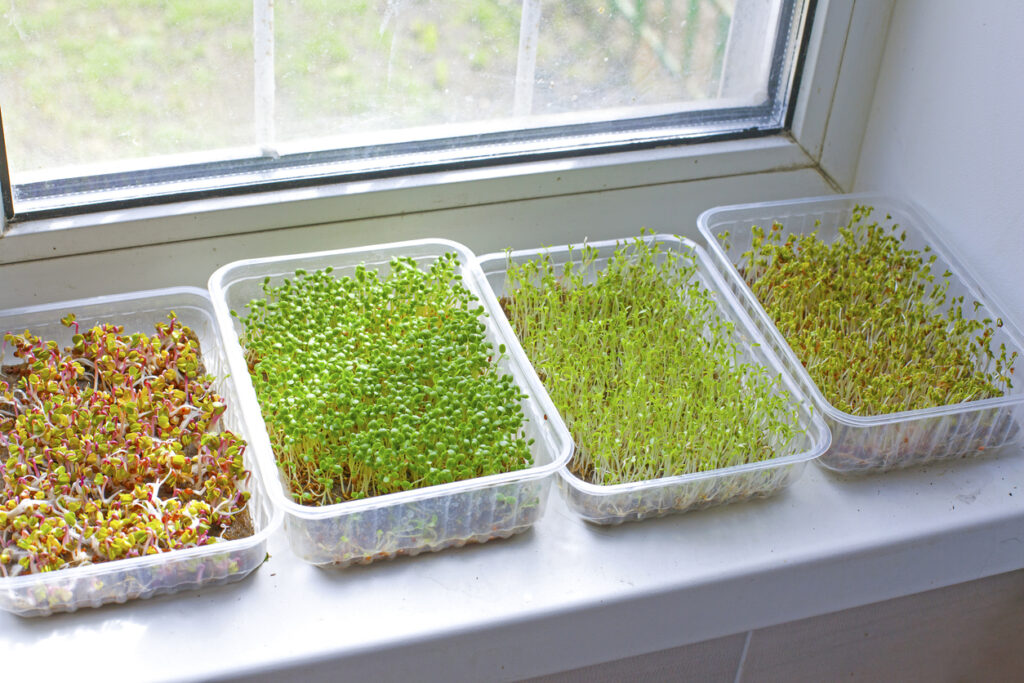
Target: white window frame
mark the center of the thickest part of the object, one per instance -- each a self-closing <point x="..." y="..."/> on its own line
<point x="523" y="201"/>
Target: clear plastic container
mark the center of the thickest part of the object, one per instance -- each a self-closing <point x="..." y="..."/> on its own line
<point x="418" y="520"/>
<point x="866" y="443"/>
<point x="66" y="590"/>
<point x="632" y="501"/>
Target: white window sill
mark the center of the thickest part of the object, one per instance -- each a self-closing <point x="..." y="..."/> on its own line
<point x="565" y="594"/>
<point x="347" y="202"/>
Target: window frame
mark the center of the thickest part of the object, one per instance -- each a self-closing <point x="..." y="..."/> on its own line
<point x="116" y="185"/>
<point x="838" y="36"/>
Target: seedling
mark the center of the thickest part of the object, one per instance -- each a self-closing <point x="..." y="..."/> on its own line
<point x="871" y="322"/>
<point x="373" y="384"/>
<point x="112" y="450"/>
<point x="646" y="372"/>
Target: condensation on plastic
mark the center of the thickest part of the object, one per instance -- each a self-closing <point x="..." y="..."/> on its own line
<point x="66" y="590"/>
<point x="654" y="498"/>
<point x="874" y="443"/>
<point x="418" y="520"/>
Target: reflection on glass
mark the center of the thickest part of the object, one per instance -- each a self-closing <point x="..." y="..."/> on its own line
<point x="362" y="66"/>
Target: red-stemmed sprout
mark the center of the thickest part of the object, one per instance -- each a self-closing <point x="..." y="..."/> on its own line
<point x="112" y="449"/>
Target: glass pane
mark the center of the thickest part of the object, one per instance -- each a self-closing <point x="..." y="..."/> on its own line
<point x="89" y="81"/>
<point x="121" y="101"/>
<point x="357" y="66"/>
<point x="362" y="66"/>
<point x="626" y="53"/>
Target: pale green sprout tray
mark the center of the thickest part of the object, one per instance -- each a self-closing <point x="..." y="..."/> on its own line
<point x="614" y="504"/>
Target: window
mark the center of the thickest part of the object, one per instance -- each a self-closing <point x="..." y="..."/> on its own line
<point x="114" y="104"/>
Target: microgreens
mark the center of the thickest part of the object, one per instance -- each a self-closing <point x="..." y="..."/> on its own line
<point x="111" y="450"/>
<point x="643" y="368"/>
<point x="875" y="327"/>
<point x="374" y="385"/>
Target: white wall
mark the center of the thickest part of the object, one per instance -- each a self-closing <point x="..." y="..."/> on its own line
<point x="946" y="130"/>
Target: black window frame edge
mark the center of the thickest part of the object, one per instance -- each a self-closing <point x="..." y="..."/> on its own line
<point x="6" y="190"/>
<point x="85" y="185"/>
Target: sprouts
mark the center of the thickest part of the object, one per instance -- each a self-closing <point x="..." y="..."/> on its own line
<point x="875" y="327"/>
<point x="648" y="375"/>
<point x="372" y="385"/>
<point x="111" y="449"/>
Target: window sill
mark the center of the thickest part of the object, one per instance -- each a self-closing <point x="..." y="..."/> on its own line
<point x="567" y="594"/>
<point x="413" y="194"/>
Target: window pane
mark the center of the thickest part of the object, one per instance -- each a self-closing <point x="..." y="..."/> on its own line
<point x="368" y="67"/>
<point x="626" y="53"/>
<point x="92" y="81"/>
<point x="361" y="66"/>
<point x="111" y="103"/>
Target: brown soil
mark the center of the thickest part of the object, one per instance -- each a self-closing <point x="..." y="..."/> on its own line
<point x="241" y="526"/>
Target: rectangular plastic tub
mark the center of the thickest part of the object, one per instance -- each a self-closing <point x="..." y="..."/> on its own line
<point x="66" y="590"/>
<point x="417" y="520"/>
<point x="639" y="500"/>
<point x="875" y="442"/>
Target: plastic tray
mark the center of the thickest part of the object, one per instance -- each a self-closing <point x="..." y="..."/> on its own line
<point x="407" y="522"/>
<point x="639" y="500"/>
<point x="875" y="442"/>
<point x="66" y="590"/>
